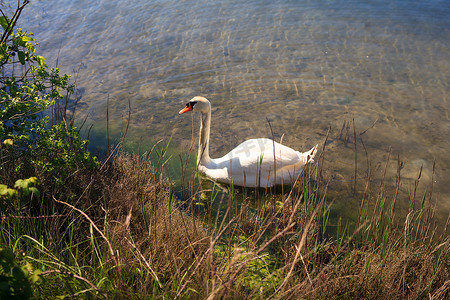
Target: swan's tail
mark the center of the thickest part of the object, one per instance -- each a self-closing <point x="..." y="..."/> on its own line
<point x="309" y="155"/>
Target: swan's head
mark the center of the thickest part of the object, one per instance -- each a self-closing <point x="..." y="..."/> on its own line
<point x="198" y="103"/>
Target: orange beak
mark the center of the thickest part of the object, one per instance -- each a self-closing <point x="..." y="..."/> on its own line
<point x="186" y="109"/>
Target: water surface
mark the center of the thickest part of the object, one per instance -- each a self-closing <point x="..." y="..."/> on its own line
<point x="305" y="66"/>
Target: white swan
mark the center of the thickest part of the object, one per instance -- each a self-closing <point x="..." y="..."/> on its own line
<point x="253" y="163"/>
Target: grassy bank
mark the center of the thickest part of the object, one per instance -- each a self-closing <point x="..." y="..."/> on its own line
<point x="125" y="235"/>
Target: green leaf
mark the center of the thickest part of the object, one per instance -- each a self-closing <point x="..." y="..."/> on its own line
<point x="40" y="60"/>
<point x="24" y="40"/>
<point x="21" y="184"/>
<point x="4" y="22"/>
<point x="21" y="56"/>
<point x="35" y="276"/>
<point x="5" y="191"/>
<point x="8" y="142"/>
<point x="33" y="180"/>
<point x="35" y="191"/>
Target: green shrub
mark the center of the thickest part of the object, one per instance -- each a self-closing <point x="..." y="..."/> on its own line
<point x="15" y="280"/>
<point x="36" y="133"/>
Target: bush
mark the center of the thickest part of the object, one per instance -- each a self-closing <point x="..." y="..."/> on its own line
<point x="40" y="151"/>
<point x="36" y="132"/>
<point x="15" y="281"/>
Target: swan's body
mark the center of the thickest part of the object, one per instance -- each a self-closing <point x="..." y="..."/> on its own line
<point x="254" y="163"/>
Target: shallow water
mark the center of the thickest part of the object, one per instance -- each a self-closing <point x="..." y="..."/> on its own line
<point x="305" y="66"/>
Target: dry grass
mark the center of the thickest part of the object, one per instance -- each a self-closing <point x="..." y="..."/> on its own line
<point x="184" y="259"/>
<point x="367" y="275"/>
<point x="146" y="233"/>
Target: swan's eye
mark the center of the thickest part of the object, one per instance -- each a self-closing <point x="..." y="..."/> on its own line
<point x="189" y="107"/>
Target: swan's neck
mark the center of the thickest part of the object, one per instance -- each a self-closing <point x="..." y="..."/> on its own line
<point x="203" y="147"/>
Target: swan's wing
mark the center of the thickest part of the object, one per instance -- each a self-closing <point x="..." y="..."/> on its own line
<point x="256" y="155"/>
<point x="252" y="164"/>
